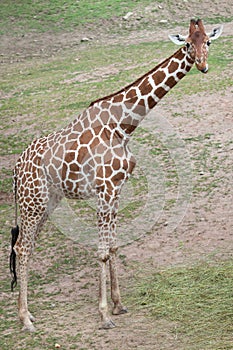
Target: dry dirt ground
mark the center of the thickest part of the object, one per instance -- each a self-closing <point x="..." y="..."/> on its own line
<point x="205" y="229"/>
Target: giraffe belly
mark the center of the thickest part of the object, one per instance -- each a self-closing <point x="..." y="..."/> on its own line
<point x="78" y="191"/>
<point x="72" y="183"/>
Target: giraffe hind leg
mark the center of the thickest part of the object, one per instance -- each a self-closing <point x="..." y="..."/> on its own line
<point x="25" y="316"/>
<point x="107" y="323"/>
<point x="118" y="308"/>
<point x="24" y="248"/>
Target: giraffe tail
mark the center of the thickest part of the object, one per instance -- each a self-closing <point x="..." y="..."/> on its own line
<point x="14" y="236"/>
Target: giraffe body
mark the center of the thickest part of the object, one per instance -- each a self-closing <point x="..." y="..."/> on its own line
<point x="90" y="157"/>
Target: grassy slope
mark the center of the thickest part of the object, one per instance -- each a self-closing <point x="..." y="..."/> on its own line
<point x="197" y="299"/>
<point x="58" y="15"/>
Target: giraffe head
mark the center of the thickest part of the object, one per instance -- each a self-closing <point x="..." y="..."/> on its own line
<point x="197" y="43"/>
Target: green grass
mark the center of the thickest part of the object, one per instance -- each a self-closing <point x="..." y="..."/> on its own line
<point x="219" y="19"/>
<point x="59" y="15"/>
<point x="197" y="300"/>
<point x="5" y="180"/>
<point x="23" y="16"/>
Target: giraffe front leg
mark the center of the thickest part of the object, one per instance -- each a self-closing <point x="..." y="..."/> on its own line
<point x="25" y="316"/>
<point x="118" y="308"/>
<point x="104" y="221"/>
<point x="107" y="323"/>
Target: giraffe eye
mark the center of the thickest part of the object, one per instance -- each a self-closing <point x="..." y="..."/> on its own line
<point x="188" y="45"/>
<point x="208" y="43"/>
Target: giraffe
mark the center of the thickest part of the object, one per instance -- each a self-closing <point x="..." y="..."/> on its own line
<point x="91" y="157"/>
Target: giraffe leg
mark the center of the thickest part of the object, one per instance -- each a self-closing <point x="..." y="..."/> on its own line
<point x="118" y="308"/>
<point x="24" y="315"/>
<point x="107" y="214"/>
<point x="107" y="323"/>
<point x="104" y="222"/>
<point x="24" y="248"/>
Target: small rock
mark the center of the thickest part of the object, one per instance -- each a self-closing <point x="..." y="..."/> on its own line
<point x="85" y="39"/>
<point x="57" y="346"/>
<point x="126" y="17"/>
<point x="163" y="21"/>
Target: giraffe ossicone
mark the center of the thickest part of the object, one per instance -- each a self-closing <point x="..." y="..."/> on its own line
<point x="91" y="157"/>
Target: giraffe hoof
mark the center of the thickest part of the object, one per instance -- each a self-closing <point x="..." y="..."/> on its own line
<point x="108" y="325"/>
<point x="32" y="318"/>
<point x="29" y="328"/>
<point x="119" y="310"/>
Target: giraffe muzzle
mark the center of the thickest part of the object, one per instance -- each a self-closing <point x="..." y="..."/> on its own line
<point x="203" y="67"/>
<point x="205" y="70"/>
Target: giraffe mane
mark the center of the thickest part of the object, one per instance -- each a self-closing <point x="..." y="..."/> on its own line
<point x="133" y="83"/>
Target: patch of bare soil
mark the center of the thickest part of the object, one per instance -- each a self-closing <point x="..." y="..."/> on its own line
<point x="5" y="197"/>
<point x="207" y="224"/>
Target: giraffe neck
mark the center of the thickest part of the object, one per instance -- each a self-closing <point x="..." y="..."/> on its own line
<point x="131" y="104"/>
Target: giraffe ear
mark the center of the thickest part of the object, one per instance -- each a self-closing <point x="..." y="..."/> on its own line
<point x="177" y="39"/>
<point x="216" y="32"/>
